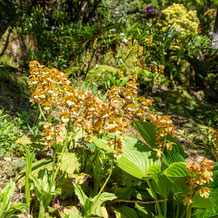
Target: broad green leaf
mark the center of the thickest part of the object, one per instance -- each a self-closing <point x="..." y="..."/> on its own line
<point x="163" y="184"/>
<point x="200" y="202"/>
<point x="101" y="212"/>
<point x="6" y="208"/>
<point x="69" y="163"/>
<point x="14" y="208"/>
<point x="102" y="144"/>
<point x="176" y="147"/>
<point x="44" y="188"/>
<point x="70" y="212"/>
<point x="5" y="197"/>
<point x="154" y="169"/>
<point x="147" y="131"/>
<point x="123" y="178"/>
<point x="136" y="158"/>
<point x="35" y="141"/>
<point x="177" y="174"/>
<point x="125" y="212"/>
<point x="177" y="169"/>
<point x="97" y="202"/>
<point x="171" y="157"/>
<point x="80" y="194"/>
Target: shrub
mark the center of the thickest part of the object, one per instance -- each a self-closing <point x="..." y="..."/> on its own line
<point x="178" y="16"/>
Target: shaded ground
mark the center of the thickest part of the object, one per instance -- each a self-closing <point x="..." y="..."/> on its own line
<point x="194" y="118"/>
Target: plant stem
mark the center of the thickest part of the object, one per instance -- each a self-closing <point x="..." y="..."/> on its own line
<point x="106" y="181"/>
<point x="42" y="112"/>
<point x="58" y="164"/>
<point x="183" y="212"/>
<point x="29" y="161"/>
<point x="165" y="208"/>
<point x="189" y="211"/>
<point x="54" y="159"/>
<point x="138" y="202"/>
<point x="155" y="197"/>
<point x="177" y="211"/>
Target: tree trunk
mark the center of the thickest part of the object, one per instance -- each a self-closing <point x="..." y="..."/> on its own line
<point x="215" y="36"/>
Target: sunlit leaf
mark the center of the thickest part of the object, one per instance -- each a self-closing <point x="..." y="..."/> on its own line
<point x="69" y="163"/>
<point x="136" y="158"/>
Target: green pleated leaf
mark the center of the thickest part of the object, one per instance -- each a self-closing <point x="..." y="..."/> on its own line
<point x="171" y="157"/>
<point x="70" y="212"/>
<point x="101" y="212"/>
<point x="101" y="199"/>
<point x="162" y="184"/>
<point x="136" y="158"/>
<point x="154" y="169"/>
<point x="69" y="163"/>
<point x="102" y="144"/>
<point x="147" y="131"/>
<point x="176" y="147"/>
<point x="177" y="169"/>
<point x="200" y="202"/>
<point x="177" y="174"/>
<point x="80" y="194"/>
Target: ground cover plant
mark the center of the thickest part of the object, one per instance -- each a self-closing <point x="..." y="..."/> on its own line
<point x="108" y="109"/>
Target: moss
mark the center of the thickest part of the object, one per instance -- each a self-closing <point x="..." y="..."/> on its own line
<point x="99" y="74"/>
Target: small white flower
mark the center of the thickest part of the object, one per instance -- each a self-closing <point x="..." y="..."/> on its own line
<point x="96" y="66"/>
<point x="65" y="120"/>
<point x="34" y="82"/>
<point x="113" y="30"/>
<point x="122" y="34"/>
<point x="50" y="91"/>
<point x="47" y="108"/>
<point x="125" y="40"/>
<point x="92" y="109"/>
<point x="119" y="156"/>
<point x="49" y="138"/>
<point x="70" y="102"/>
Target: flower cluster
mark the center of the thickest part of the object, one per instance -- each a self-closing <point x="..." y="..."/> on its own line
<point x="141" y="62"/>
<point x="199" y="175"/>
<point x="80" y="109"/>
<point x="164" y="126"/>
<point x="65" y="109"/>
<point x="150" y="11"/>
